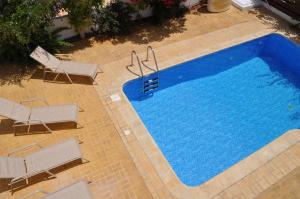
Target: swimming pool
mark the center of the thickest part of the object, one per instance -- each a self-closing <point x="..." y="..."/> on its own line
<point x="214" y="111"/>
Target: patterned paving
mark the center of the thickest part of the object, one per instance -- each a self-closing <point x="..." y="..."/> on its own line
<point x="111" y="169"/>
<point x="287" y="187"/>
<point x="119" y="165"/>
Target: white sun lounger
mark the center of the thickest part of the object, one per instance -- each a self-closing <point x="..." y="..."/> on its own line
<point x="54" y="65"/>
<point x="43" y="115"/>
<point x="78" y="190"/>
<point x="18" y="169"/>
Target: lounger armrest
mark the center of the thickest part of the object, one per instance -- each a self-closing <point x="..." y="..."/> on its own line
<point x="62" y="56"/>
<point x="51" y="70"/>
<point x="33" y="193"/>
<point x="27" y="122"/>
<point x="58" y="70"/>
<point x="17" y="179"/>
<point x="23" y="148"/>
<point x="35" y="100"/>
<point x="21" y="123"/>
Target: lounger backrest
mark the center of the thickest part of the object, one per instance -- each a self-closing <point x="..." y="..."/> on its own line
<point x="11" y="167"/>
<point x="13" y="110"/>
<point x="79" y="190"/>
<point x="45" y="58"/>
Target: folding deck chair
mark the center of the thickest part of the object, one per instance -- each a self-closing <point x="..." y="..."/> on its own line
<point x="58" y="67"/>
<point x="18" y="169"/>
<point x="78" y="190"/>
<point x="42" y="115"/>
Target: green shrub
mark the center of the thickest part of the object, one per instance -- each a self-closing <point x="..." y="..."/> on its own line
<point x="112" y="19"/>
<point x="165" y="9"/>
<point x="79" y="12"/>
<point x="125" y="13"/>
<point x="162" y="9"/>
<point x="24" y="25"/>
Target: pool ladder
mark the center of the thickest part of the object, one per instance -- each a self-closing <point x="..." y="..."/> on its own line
<point x="151" y="81"/>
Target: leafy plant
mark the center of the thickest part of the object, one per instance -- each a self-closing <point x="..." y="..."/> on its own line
<point x="112" y="19"/>
<point x="162" y="9"/>
<point x="24" y="25"/>
<point x="104" y="22"/>
<point x="165" y="9"/>
<point x="79" y="12"/>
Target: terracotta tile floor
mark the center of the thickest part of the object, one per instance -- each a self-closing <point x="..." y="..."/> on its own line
<point x="146" y="34"/>
<point x="111" y="168"/>
<point x="288" y="187"/>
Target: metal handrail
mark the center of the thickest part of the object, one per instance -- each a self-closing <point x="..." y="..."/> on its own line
<point x="149" y="48"/>
<point x="138" y="60"/>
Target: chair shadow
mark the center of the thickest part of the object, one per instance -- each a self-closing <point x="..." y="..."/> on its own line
<point x="39" y="129"/>
<point x="4" y="185"/>
<point x="6" y="127"/>
<point x="62" y="79"/>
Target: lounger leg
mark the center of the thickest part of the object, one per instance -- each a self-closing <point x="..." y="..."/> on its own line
<point x="44" y="74"/>
<point x="100" y="70"/>
<point x="12" y="182"/>
<point x="49" y="130"/>
<point x="50" y="174"/>
<point x="56" y="77"/>
<point x="69" y="78"/>
<point x="79" y="126"/>
<point x="94" y="80"/>
<point x="84" y="161"/>
<point x="28" y="129"/>
<point x="11" y="187"/>
<point x="81" y="109"/>
<point x="14" y="129"/>
<point x="79" y="141"/>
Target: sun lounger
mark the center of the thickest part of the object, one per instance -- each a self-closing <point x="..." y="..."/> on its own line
<point x="58" y="67"/>
<point x="43" y="115"/>
<point x="17" y="169"/>
<point x="79" y="190"/>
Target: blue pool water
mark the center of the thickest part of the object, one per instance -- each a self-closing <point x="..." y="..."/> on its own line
<point x="214" y="111"/>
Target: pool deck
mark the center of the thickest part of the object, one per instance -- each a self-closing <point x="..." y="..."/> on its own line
<point x="125" y="162"/>
<point x="246" y="179"/>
